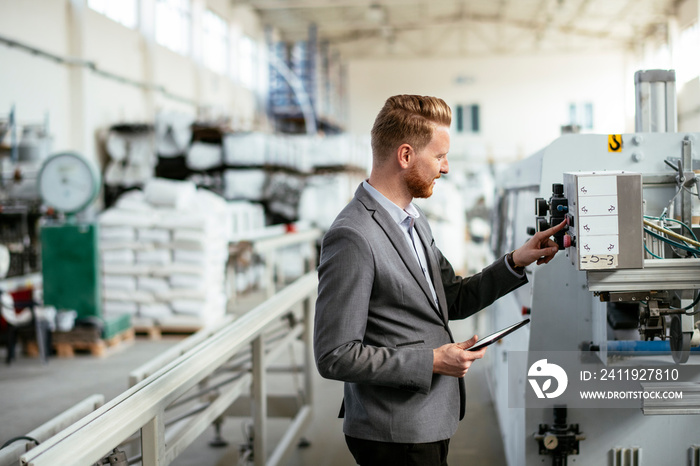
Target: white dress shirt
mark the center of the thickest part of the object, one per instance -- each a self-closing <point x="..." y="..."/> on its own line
<point x="406" y="220"/>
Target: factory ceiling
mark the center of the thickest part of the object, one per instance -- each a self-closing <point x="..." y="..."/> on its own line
<point x="449" y="28"/>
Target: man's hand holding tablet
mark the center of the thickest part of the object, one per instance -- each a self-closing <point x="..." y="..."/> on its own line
<point x="497" y="336"/>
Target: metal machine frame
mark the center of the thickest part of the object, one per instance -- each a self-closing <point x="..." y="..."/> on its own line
<point x="567" y="314"/>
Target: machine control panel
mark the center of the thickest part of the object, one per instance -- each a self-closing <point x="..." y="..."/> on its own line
<point x="603" y="211"/>
<point x="552" y="212"/>
<point x="606" y="220"/>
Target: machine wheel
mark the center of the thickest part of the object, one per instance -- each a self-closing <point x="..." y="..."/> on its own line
<point x="680" y="341"/>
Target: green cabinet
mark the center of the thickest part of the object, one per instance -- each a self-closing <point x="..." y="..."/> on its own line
<point x="70" y="268"/>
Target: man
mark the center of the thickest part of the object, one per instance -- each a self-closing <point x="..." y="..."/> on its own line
<point x="386" y="294"/>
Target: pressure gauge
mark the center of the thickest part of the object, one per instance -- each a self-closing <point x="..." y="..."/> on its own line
<point x="551" y="441"/>
<point x="68" y="182"/>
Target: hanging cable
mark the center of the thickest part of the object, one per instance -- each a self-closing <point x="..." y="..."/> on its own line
<point x="651" y="253"/>
<point x="692" y="305"/>
<point x="693" y="251"/>
<point x="672" y="234"/>
<point x="666" y="219"/>
<point x="670" y="203"/>
<point x="15" y="439"/>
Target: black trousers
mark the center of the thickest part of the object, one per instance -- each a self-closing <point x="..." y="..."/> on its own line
<point x="372" y="453"/>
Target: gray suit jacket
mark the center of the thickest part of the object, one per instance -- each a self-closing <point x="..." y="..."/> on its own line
<point x="376" y="324"/>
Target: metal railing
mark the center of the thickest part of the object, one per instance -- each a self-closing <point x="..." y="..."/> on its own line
<point x="270" y="248"/>
<point x="177" y="350"/>
<point x="143" y="407"/>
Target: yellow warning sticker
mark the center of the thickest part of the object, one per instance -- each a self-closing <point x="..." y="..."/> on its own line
<point x="614" y="143"/>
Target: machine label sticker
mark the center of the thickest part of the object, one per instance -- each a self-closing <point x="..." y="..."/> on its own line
<point x="580" y="379"/>
<point x="599" y="261"/>
<point x="598" y="222"/>
<point x="599" y="245"/>
<point x="597" y="205"/>
<point x="599" y="225"/>
<point x="614" y="143"/>
<point x="597" y="186"/>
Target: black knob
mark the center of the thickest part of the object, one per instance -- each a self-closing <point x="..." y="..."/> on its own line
<point x="558" y="189"/>
<point x="541" y="207"/>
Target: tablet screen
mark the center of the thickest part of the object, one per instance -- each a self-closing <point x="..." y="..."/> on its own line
<point x="497" y="336"/>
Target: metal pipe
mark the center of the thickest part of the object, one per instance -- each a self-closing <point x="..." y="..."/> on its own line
<point x="686" y="198"/>
<point x="655" y="106"/>
<point x="90" y="65"/>
<point x="204" y="391"/>
<point x="639" y="346"/>
<point x="259" y="403"/>
<point x="672" y="233"/>
<point x="272" y="354"/>
<point x="187" y="414"/>
<point x="288" y="239"/>
<point x="309" y="362"/>
<point x="176" y="351"/>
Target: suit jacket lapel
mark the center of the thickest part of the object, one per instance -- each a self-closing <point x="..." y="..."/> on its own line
<point x="427" y="240"/>
<point x="396" y="236"/>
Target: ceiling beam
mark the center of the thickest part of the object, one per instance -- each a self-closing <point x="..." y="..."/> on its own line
<point x="364" y="30"/>
<point x="551" y="20"/>
<point x="542" y="27"/>
<point x="267" y="5"/>
<point x="582" y="7"/>
<point x="502" y="8"/>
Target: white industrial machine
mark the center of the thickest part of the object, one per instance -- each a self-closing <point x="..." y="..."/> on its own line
<point x="622" y="294"/>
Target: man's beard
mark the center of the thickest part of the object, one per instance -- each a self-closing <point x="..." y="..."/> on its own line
<point x="417" y="186"/>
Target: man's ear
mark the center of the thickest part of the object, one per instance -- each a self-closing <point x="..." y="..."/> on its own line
<point x="404" y="155"/>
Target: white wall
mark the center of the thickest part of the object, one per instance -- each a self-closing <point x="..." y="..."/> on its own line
<point x="524" y="99"/>
<point x="36" y="85"/>
<point x="689" y="106"/>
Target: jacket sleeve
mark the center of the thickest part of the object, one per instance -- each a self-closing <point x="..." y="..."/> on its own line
<point x="346" y="280"/>
<point x="467" y="296"/>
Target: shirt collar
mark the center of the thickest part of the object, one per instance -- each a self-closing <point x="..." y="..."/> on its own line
<point x="398" y="214"/>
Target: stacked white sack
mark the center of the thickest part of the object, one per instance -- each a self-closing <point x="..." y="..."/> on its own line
<point x="245" y="149"/>
<point x="200" y="252"/>
<point x="119" y="248"/>
<point x="203" y="156"/>
<point x="167" y="263"/>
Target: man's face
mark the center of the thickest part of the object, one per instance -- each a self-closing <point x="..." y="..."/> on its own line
<point x="429" y="164"/>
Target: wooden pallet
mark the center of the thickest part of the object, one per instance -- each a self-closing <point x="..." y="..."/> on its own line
<point x="67" y="344"/>
<point x="156" y="332"/>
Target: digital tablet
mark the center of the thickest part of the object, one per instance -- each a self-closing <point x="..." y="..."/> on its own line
<point x="497" y="336"/>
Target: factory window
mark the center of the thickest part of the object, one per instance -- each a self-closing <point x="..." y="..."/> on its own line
<point x="215" y="42"/>
<point x="581" y="115"/>
<point x="247" y="61"/>
<point x="467" y="119"/>
<point x="262" y="69"/>
<point x="122" y="11"/>
<point x="174" y="25"/>
<point x="234" y="54"/>
<point x="685" y="55"/>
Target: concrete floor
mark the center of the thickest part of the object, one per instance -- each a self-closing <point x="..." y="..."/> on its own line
<point x="33" y="393"/>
